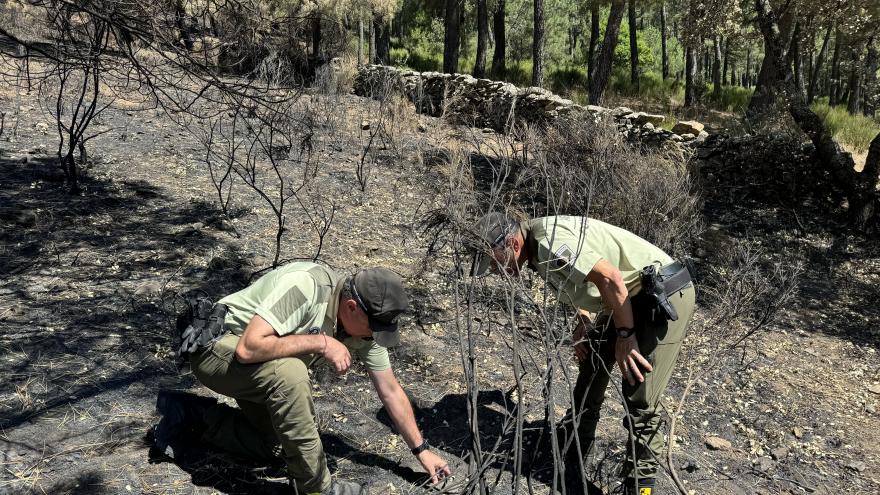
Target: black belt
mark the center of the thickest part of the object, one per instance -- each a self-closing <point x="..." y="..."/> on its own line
<point x="675" y="277"/>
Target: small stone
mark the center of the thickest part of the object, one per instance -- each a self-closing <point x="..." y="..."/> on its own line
<point x="687" y="136"/>
<point x="648" y="127"/>
<point x="422" y="127"/>
<point x="365" y="125"/>
<point x="621" y="111"/>
<point x="874" y="389"/>
<point x="871" y="409"/>
<point x="197" y="226"/>
<point x="148" y="289"/>
<point x="653" y="118"/>
<point x="690" y="466"/>
<point x="717" y="443"/>
<point x="779" y="453"/>
<point x="765" y="464"/>
<point x="857" y="466"/>
<point x="688" y="127"/>
<point x="797" y="432"/>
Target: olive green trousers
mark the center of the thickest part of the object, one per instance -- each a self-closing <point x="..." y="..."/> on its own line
<point x="659" y="342"/>
<point x="277" y="413"/>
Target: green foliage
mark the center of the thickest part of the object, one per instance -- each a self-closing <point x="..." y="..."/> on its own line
<point x="651" y="86"/>
<point x="857" y="131"/>
<point x="732" y="98"/>
<point x="565" y="79"/>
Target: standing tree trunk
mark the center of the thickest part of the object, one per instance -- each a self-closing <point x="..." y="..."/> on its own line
<point x="538" y="45"/>
<point x="856" y="76"/>
<point x="834" y="89"/>
<point x="372" y="45"/>
<point x="690" y="77"/>
<point x="360" y="41"/>
<point x="726" y="60"/>
<point x="871" y="91"/>
<point x="316" y="36"/>
<point x="482" y="39"/>
<point x="820" y="58"/>
<point x="383" y="40"/>
<point x="797" y="59"/>
<point x="748" y="82"/>
<point x="594" y="41"/>
<point x="633" y="48"/>
<point x="664" y="55"/>
<point x="451" y="37"/>
<point x="606" y="56"/>
<point x="498" y="55"/>
<point x="767" y="86"/>
<point x="716" y="67"/>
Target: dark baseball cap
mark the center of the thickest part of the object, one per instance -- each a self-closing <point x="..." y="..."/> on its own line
<point x="380" y="294"/>
<point x="491" y="231"/>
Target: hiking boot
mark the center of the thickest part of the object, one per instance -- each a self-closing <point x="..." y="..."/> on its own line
<point x="645" y="486"/>
<point x="182" y="422"/>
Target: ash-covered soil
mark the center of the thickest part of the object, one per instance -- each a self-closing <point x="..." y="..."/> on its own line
<point x="86" y="293"/>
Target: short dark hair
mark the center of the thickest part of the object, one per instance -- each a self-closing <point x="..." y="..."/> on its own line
<point x="345" y="293"/>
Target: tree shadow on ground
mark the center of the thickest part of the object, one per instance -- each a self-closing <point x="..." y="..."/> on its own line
<point x="81" y="299"/>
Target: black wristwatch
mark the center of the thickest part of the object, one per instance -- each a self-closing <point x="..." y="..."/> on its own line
<point x="624" y="332"/>
<point x="421" y="448"/>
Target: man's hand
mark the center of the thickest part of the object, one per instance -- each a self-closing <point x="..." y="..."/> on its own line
<point x="629" y="359"/>
<point x="337" y="355"/>
<point x="434" y="465"/>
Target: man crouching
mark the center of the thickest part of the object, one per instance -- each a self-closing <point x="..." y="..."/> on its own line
<point x="271" y="333"/>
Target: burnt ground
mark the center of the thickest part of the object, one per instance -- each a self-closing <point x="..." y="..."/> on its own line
<point x="86" y="286"/>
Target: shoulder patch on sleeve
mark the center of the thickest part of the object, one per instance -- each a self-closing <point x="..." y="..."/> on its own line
<point x="563" y="258"/>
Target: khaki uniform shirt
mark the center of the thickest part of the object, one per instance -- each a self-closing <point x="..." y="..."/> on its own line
<point x="300" y="298"/>
<point x="564" y="249"/>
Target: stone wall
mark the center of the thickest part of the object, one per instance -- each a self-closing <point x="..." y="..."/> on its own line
<point x="497" y="104"/>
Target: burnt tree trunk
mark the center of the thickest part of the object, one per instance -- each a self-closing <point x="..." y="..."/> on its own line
<point x="499" y="54"/>
<point x="482" y="39"/>
<point x="538" y="44"/>
<point x="316" y="36"/>
<point x="633" y="47"/>
<point x="817" y="68"/>
<point x="594" y="41"/>
<point x="664" y="54"/>
<point x="383" y="40"/>
<point x="451" y="37"/>
<point x="860" y="188"/>
<point x="606" y="56"/>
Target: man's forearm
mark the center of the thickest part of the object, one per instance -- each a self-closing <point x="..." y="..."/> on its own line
<point x="274" y="347"/>
<point x="616" y="298"/>
<point x="401" y="412"/>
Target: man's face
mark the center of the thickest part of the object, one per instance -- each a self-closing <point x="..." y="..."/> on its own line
<point x="354" y="319"/>
<point x="506" y="257"/>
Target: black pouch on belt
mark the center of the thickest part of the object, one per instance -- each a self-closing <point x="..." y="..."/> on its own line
<point x="199" y="326"/>
<point x="658" y="285"/>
